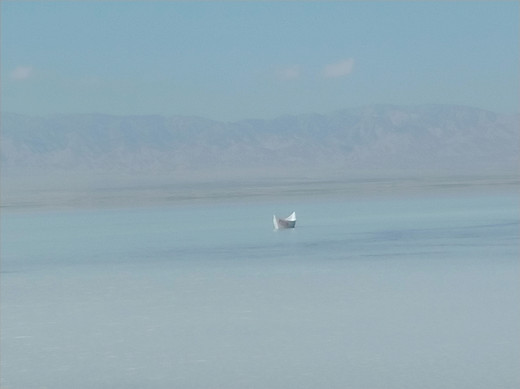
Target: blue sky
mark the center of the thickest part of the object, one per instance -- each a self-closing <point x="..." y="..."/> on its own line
<point x="235" y="60"/>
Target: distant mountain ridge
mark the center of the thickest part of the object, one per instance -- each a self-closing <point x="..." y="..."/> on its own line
<point x="439" y="139"/>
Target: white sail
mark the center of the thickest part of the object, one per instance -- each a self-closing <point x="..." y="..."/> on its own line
<point x="288" y="222"/>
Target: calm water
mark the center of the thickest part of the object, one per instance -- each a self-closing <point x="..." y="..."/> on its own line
<point x="378" y="293"/>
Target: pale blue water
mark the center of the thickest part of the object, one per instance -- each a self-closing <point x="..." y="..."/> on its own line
<point x="409" y="292"/>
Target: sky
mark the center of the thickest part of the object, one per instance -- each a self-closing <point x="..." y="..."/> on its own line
<point x="231" y="60"/>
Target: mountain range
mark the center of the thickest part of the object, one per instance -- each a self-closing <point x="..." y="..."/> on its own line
<point x="371" y="140"/>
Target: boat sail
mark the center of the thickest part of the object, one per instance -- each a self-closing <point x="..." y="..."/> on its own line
<point x="288" y="222"/>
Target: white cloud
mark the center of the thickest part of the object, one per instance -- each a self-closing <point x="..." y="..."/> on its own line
<point x="339" y="69"/>
<point x="289" y="73"/>
<point x="22" y="73"/>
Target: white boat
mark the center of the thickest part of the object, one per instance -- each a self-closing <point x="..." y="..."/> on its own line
<point x="288" y="222"/>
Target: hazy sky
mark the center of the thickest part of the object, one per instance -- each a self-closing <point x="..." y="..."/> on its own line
<point x="233" y="60"/>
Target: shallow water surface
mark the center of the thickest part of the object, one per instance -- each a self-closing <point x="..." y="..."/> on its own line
<point x="408" y="292"/>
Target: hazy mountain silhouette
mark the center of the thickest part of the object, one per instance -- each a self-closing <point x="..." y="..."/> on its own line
<point x="382" y="139"/>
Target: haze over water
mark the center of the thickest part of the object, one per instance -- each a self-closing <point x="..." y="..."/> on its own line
<point x="403" y="291"/>
<point x="146" y="145"/>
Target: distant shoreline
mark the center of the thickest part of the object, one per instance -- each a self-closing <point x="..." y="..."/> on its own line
<point x="197" y="192"/>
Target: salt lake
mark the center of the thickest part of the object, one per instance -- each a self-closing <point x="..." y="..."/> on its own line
<point x="407" y="291"/>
